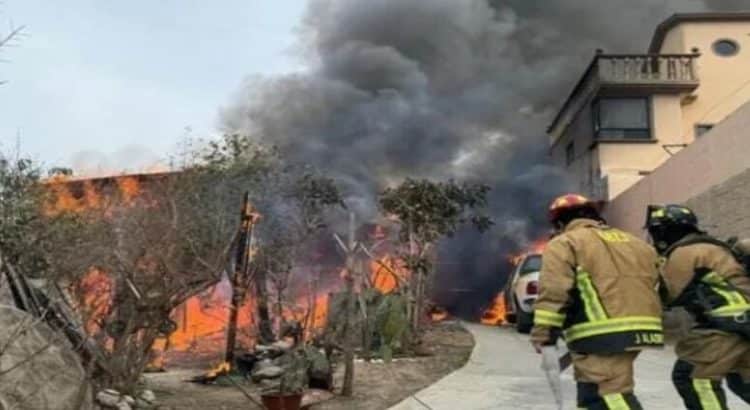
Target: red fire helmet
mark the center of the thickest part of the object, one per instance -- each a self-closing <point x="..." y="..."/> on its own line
<point x="568" y="202"/>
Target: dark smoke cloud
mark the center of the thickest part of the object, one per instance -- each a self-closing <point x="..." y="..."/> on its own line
<point x="444" y="89"/>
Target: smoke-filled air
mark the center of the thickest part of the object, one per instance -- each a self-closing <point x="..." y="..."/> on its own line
<point x="443" y="89"/>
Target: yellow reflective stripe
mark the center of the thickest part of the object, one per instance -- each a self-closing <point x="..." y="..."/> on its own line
<point x="548" y="318"/>
<point x="720" y="286"/>
<point x="616" y="325"/>
<point x="592" y="304"/>
<point x="616" y="402"/>
<point x="731" y="310"/>
<point x="706" y="394"/>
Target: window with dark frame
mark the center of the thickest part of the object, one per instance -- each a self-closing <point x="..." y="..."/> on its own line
<point x="570" y="153"/>
<point x="701" y="129"/>
<point x="622" y="118"/>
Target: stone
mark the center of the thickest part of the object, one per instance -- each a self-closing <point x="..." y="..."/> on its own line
<point x="123" y="405"/>
<point x="141" y="404"/>
<point x="148" y="396"/>
<point x="129" y="399"/>
<point x="109" y="398"/>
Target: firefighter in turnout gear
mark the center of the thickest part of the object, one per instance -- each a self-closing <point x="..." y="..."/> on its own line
<point x="598" y="290"/>
<point x="704" y="276"/>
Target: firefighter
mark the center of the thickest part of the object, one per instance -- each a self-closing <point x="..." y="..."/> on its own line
<point x="598" y="291"/>
<point x="704" y="275"/>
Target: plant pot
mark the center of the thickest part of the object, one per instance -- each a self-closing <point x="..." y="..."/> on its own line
<point x="282" y="402"/>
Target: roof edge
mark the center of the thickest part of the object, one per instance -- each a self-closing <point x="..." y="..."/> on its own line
<point x="676" y="19"/>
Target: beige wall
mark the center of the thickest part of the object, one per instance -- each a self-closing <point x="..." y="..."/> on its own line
<point x="625" y="163"/>
<point x="711" y="161"/>
<point x="724" y="81"/>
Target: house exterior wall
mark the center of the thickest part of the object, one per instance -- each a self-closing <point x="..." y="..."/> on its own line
<point x="674" y="42"/>
<point x="621" y="163"/>
<point x="581" y="131"/>
<point x="724" y="81"/>
<point x="625" y="163"/>
<point x="712" y="174"/>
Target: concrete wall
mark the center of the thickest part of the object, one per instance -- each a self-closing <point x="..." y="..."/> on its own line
<point x="723" y="209"/>
<point x="710" y="173"/>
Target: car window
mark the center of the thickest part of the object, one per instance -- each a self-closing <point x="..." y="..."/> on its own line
<point x="531" y="264"/>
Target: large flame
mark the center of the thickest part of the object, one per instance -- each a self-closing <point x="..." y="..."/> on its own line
<point x="495" y="314"/>
<point x="388" y="273"/>
<point x="76" y="195"/>
<point x="202" y="319"/>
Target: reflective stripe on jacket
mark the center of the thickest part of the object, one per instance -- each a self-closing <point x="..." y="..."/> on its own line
<point x="598" y="285"/>
<point x="708" y="281"/>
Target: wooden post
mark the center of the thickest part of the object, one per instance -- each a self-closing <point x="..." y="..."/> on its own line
<point x="415" y="283"/>
<point x="348" y="388"/>
<point x="242" y="260"/>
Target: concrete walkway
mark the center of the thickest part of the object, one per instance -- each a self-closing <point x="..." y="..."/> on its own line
<point x="504" y="373"/>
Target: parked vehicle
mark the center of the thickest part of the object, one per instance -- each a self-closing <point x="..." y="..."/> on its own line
<point x="521" y="292"/>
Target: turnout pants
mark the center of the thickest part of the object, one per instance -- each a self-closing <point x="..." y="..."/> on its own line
<point x="705" y="359"/>
<point x="605" y="382"/>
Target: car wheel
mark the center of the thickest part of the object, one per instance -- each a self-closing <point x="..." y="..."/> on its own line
<point x="524" y="322"/>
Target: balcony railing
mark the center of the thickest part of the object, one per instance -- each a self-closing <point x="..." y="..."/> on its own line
<point x="655" y="69"/>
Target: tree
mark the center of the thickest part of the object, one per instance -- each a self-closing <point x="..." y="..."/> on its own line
<point x="145" y="253"/>
<point x="292" y="202"/>
<point x="426" y="212"/>
<point x="9" y="38"/>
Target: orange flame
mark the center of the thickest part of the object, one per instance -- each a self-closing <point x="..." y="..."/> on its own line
<point x="202" y="319"/>
<point x="93" y="298"/>
<point x="76" y="195"/>
<point x="222" y="369"/>
<point x="495" y="314"/>
<point x="388" y="273"/>
<point x="438" y="314"/>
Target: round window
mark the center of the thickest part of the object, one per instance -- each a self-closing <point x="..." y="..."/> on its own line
<point x="726" y="48"/>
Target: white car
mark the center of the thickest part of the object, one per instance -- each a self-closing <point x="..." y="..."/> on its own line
<point x="521" y="292"/>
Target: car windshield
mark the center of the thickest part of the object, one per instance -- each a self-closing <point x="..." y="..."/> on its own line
<point x="531" y="264"/>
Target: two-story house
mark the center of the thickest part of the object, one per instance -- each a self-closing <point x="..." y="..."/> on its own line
<point x="629" y="113"/>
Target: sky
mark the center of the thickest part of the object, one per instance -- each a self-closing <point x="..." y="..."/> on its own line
<point x="106" y="86"/>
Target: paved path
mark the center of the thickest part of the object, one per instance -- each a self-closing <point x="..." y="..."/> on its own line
<point x="503" y="373"/>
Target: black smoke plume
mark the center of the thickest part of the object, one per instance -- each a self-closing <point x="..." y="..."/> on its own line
<point x="444" y="89"/>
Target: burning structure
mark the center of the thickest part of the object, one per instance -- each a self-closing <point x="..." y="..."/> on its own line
<point x="196" y="327"/>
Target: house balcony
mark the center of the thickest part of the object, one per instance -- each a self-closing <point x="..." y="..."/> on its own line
<point x="654" y="73"/>
<point x="629" y="75"/>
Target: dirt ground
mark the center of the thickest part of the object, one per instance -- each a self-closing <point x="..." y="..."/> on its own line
<point x="377" y="385"/>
